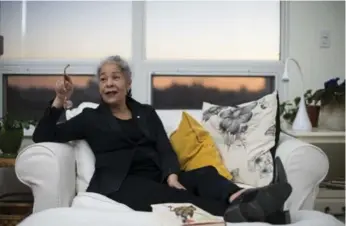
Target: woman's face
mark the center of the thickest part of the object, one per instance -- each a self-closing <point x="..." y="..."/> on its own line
<point x="113" y="84"/>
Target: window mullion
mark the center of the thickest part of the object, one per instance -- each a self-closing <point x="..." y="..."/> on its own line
<point x="139" y="82"/>
<point x="284" y="45"/>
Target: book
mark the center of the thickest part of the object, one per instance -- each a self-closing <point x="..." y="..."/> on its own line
<point x="185" y="214"/>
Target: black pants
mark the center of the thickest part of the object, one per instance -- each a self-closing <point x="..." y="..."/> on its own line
<point x="205" y="188"/>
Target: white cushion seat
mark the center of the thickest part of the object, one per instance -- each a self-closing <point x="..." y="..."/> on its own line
<point x="104" y="216"/>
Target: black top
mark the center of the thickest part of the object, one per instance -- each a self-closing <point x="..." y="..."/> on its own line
<point x="131" y="129"/>
<point x="142" y="163"/>
<point x="116" y="152"/>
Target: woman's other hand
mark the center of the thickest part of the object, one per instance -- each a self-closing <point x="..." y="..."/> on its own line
<point x="173" y="182"/>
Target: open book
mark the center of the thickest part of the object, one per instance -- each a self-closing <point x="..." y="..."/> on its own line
<point x="184" y="214"/>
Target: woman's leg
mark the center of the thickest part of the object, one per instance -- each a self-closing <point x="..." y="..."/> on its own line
<point x="259" y="204"/>
<point x="206" y="182"/>
<point x="139" y="193"/>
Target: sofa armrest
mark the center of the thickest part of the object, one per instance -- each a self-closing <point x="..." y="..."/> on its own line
<point x="49" y="170"/>
<point x="306" y="166"/>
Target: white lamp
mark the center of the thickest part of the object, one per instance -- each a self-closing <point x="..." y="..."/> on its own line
<point x="302" y="120"/>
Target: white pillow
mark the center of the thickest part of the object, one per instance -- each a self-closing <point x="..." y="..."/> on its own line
<point x="85" y="158"/>
<point x="75" y="111"/>
<point x="245" y="135"/>
<point x="172" y="118"/>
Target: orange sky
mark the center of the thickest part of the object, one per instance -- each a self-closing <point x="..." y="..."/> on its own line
<point x="222" y="83"/>
<point x="47" y="81"/>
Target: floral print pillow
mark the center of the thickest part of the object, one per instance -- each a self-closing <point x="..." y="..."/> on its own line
<point x="245" y="135"/>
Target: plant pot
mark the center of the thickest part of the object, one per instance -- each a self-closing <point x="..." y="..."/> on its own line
<point x="313" y="112"/>
<point x="332" y="117"/>
<point x="10" y="141"/>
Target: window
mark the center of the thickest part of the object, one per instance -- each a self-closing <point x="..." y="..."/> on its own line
<point x="66" y="29"/>
<point x="209" y="30"/>
<point x="174" y="41"/>
<point x="189" y="92"/>
<point x="34" y="93"/>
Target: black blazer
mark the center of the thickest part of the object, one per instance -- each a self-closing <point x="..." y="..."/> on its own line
<point x="113" y="150"/>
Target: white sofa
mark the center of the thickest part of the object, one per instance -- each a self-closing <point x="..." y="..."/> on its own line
<point x="57" y="172"/>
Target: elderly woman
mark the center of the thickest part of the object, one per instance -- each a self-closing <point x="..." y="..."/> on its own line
<point x="135" y="162"/>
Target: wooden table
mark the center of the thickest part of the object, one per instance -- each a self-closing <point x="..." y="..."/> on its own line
<point x="7" y="162"/>
<point x="12" y="211"/>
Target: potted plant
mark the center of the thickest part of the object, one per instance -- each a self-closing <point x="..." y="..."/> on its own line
<point x="289" y="109"/>
<point x="11" y="135"/>
<point x="332" y="100"/>
<point x="312" y="107"/>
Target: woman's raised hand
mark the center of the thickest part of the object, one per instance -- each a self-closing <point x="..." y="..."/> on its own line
<point x="63" y="91"/>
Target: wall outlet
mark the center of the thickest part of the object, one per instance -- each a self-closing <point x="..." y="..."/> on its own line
<point x="325" y="39"/>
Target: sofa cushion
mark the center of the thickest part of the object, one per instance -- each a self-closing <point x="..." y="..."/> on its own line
<point x="85" y="165"/>
<point x="195" y="147"/>
<point x="91" y="217"/>
<point x="245" y="135"/>
<point x="97" y="201"/>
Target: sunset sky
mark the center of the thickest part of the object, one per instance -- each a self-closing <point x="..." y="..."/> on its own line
<point x="44" y="81"/>
<point x="174" y="29"/>
<point x="222" y="83"/>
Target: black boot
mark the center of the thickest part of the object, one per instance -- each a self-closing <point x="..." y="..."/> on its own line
<point x="256" y="205"/>
<point x="279" y="217"/>
<point x="279" y="172"/>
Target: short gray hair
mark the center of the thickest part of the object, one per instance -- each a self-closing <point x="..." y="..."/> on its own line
<point x="121" y="63"/>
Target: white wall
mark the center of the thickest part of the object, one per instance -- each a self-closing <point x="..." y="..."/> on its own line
<point x="306" y="21"/>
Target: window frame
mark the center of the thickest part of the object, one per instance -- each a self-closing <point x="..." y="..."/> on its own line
<point x="143" y="68"/>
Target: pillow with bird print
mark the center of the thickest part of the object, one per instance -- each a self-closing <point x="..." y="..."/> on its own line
<point x="245" y="135"/>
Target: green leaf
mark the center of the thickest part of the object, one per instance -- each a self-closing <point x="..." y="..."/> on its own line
<point x="297" y="100"/>
<point x="309" y="100"/>
<point x="307" y="94"/>
<point x="286" y="116"/>
<point x="309" y="91"/>
<point x="317" y="96"/>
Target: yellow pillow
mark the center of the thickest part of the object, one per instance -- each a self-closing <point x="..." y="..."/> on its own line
<point x="195" y="147"/>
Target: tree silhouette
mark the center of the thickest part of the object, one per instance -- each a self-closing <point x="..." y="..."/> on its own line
<point x="30" y="103"/>
<point x="179" y="96"/>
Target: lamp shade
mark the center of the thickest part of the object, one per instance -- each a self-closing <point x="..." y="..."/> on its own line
<point x="302" y="121"/>
<point x="285" y="77"/>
